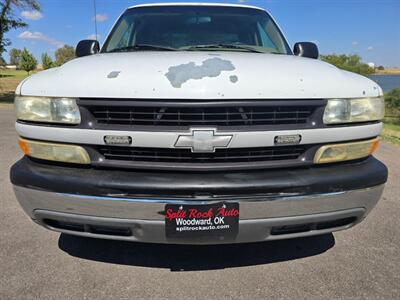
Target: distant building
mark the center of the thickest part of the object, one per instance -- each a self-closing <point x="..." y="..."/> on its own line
<point x="371" y="65"/>
<point x="11" y="67"/>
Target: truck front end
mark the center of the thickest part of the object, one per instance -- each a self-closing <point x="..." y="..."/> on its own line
<point x="228" y="139"/>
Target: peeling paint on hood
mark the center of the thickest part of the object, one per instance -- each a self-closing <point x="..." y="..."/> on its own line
<point x="198" y="75"/>
<point x="211" y="67"/>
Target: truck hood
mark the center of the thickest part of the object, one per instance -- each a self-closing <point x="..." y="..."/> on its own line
<point x="198" y="75"/>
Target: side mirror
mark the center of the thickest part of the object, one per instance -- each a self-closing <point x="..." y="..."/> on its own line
<point x="306" y="49"/>
<point x="87" y="47"/>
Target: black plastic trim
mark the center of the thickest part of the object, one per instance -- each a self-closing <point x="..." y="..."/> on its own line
<point x="90" y="122"/>
<point x="305" y="159"/>
<point x="88" y="181"/>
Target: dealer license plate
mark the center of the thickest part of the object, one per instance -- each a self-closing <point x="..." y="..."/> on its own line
<point x="218" y="220"/>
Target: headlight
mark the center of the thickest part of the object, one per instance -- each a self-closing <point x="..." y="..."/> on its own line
<point x="345" y="151"/>
<point x="49" y="110"/>
<point x="54" y="152"/>
<point x="354" y="110"/>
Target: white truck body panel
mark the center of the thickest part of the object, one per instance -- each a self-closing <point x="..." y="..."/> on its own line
<point x="195" y="4"/>
<point x="142" y="75"/>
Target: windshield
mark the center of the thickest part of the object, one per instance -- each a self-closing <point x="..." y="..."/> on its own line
<point x="196" y="28"/>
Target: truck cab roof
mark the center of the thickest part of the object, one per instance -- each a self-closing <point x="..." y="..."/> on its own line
<point x="195" y="4"/>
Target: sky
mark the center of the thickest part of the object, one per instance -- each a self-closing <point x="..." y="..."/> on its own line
<point x="370" y="28"/>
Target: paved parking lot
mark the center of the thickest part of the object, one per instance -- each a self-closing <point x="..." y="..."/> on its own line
<point x="363" y="262"/>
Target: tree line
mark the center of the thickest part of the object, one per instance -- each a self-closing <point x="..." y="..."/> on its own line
<point x="392" y="100"/>
<point x="8" y="19"/>
<point x="24" y="60"/>
<point x="350" y="63"/>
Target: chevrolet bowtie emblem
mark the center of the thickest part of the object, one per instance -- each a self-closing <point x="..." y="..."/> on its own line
<point x="203" y="141"/>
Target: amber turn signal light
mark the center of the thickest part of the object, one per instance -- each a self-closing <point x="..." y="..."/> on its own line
<point x="55" y="152"/>
<point x="345" y="151"/>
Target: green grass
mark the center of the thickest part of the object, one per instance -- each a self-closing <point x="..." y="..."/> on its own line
<point x="13" y="73"/>
<point x="9" y="80"/>
<point x="391" y="133"/>
<point x="392" y="120"/>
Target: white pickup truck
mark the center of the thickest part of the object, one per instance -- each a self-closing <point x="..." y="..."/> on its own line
<point x="197" y="123"/>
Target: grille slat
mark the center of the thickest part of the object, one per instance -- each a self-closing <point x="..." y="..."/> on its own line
<point x="242" y="114"/>
<point x="186" y="156"/>
<point x="209" y="116"/>
<point x="111" y="120"/>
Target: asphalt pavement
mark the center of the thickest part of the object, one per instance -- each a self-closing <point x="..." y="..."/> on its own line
<point x="360" y="263"/>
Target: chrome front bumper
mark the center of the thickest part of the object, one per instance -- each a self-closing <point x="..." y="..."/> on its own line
<point x="140" y="219"/>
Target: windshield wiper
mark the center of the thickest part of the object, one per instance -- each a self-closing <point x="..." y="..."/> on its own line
<point x="139" y="47"/>
<point x="223" y="46"/>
